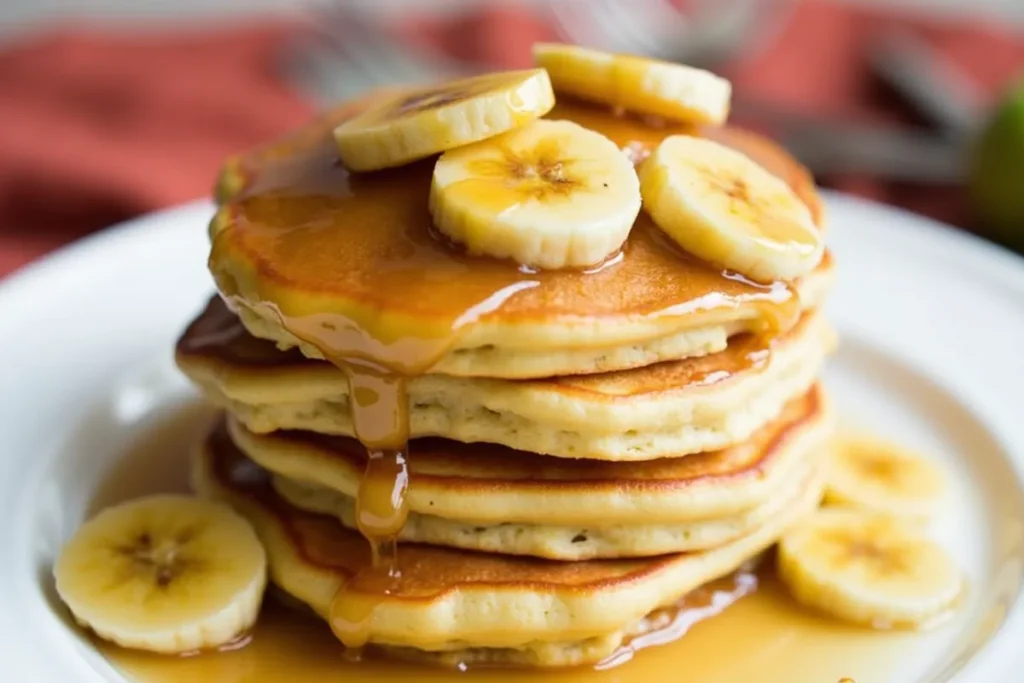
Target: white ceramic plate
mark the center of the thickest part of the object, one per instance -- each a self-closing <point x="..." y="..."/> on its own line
<point x="932" y="323"/>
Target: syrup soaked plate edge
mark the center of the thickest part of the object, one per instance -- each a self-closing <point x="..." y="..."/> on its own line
<point x="763" y="637"/>
<point x="54" y="499"/>
<point x="877" y="382"/>
<point x="767" y="610"/>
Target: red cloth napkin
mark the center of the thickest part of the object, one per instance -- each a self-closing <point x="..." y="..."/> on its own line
<point x="820" y="64"/>
<point x="97" y="126"/>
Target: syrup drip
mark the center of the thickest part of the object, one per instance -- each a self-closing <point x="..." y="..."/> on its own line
<point x="379" y="407"/>
<point x="749" y="352"/>
<point x="669" y="624"/>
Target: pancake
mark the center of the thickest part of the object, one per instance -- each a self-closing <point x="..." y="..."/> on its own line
<point x="487" y="484"/>
<point x="570" y="543"/>
<point x="671" y="408"/>
<point x="481" y="606"/>
<point x="346" y="265"/>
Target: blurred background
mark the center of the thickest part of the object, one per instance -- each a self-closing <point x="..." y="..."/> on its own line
<point x="113" y="108"/>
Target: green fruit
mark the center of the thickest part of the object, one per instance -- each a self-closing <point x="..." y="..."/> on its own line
<point x="996" y="183"/>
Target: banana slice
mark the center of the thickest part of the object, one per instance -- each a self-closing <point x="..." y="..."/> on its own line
<point x="551" y="194"/>
<point x="418" y="123"/>
<point x="722" y="207"/>
<point x="165" y="573"/>
<point x="644" y="86"/>
<point x="884" y="478"/>
<point x="869" y="569"/>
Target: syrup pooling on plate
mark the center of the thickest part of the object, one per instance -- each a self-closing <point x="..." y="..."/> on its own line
<point x="780" y="642"/>
<point x="350" y="264"/>
<point x="671" y="623"/>
<point x="782" y="645"/>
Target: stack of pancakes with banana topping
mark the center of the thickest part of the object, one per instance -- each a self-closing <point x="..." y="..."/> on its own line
<point x="464" y="439"/>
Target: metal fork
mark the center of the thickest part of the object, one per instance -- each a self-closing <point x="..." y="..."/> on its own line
<point x="710" y="32"/>
<point x="347" y="53"/>
<point x="344" y="52"/>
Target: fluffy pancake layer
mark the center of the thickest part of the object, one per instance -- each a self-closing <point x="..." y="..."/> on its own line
<point x="304" y="250"/>
<point x="567" y="348"/>
<point x="494" y="608"/>
<point x="484" y="485"/>
<point x="570" y="543"/>
<point x="668" y="409"/>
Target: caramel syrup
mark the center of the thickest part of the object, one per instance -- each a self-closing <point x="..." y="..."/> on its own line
<point x="349" y="264"/>
<point x="379" y="407"/>
<point x="744" y="627"/>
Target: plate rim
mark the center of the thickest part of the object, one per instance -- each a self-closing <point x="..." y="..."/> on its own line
<point x="930" y="236"/>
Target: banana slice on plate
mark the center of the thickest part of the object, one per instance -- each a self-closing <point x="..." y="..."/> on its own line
<point x="869" y="569"/>
<point x="551" y="194"/>
<point x="644" y="86"/>
<point x="721" y="206"/>
<point x="883" y="477"/>
<point x="417" y="123"/>
<point x="165" y="573"/>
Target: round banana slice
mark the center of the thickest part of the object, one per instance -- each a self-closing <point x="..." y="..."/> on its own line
<point x="882" y="477"/>
<point x="644" y="86"/>
<point x="417" y="123"/>
<point x="721" y="206"/>
<point x="869" y="569"/>
<point x="165" y="573"/>
<point x="551" y="194"/>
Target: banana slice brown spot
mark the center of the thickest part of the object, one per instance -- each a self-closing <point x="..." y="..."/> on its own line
<point x="551" y="194"/>
<point x="885" y="477"/>
<point x="724" y="208"/>
<point x="870" y="569"/>
<point x="415" y="124"/>
<point x="164" y="573"/>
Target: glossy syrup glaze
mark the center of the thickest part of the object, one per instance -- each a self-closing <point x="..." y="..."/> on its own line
<point x="742" y="628"/>
<point x="350" y="264"/>
<point x="218" y="336"/>
<point x="325" y="246"/>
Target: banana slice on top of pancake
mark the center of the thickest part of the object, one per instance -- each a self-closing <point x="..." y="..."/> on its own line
<point x="414" y="124"/>
<point x="643" y="86"/>
<point x="881" y="476"/>
<point x="868" y="568"/>
<point x="551" y="194"/>
<point x="721" y="206"/>
<point x="165" y="573"/>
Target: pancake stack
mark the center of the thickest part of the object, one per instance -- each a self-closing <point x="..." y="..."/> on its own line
<point x="561" y="454"/>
